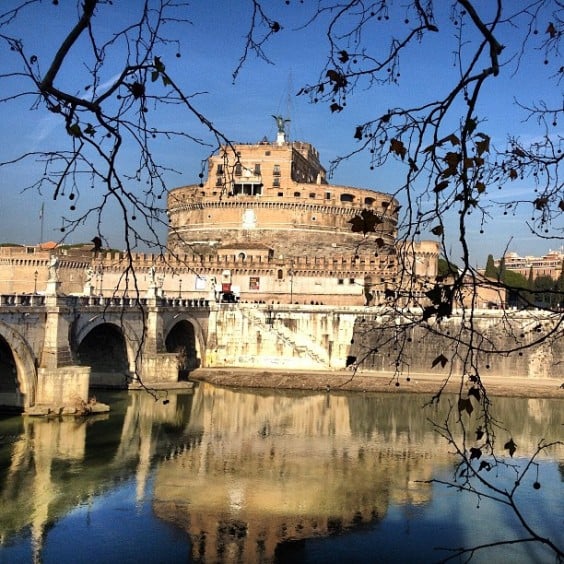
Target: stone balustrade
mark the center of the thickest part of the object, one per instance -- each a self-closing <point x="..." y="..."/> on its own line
<point x="22" y="300"/>
<point x="28" y="300"/>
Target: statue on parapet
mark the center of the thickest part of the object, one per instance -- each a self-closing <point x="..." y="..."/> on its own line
<point x="88" y="275"/>
<point x="153" y="277"/>
<point x="53" y="269"/>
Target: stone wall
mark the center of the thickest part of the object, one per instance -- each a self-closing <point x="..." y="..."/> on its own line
<point x="283" y="337"/>
<point x="322" y="338"/>
<point x="386" y="344"/>
<point x="337" y="279"/>
<point x="274" y="194"/>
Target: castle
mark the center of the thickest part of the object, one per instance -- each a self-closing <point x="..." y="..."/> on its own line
<point x="265" y="226"/>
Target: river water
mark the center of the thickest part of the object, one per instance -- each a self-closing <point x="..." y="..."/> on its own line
<point x="218" y="475"/>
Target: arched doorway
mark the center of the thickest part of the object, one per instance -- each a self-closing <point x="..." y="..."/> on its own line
<point x="104" y="350"/>
<point x="10" y="393"/>
<point x="182" y="341"/>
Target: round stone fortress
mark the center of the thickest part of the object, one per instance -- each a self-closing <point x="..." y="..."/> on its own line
<point x="274" y="199"/>
<point x="265" y="226"/>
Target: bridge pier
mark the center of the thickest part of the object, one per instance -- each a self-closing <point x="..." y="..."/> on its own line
<point x="62" y="387"/>
<point x="156" y="366"/>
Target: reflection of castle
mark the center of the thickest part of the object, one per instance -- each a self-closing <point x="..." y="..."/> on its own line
<point x="266" y="223"/>
<point x="241" y="471"/>
<point x="289" y="467"/>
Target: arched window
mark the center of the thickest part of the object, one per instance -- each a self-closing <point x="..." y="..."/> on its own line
<point x="280" y="274"/>
<point x="347" y="198"/>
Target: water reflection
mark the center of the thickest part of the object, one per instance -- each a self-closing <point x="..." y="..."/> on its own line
<point x="276" y="467"/>
<point x="241" y="473"/>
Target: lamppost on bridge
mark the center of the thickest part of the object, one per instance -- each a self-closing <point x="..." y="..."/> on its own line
<point x="35" y="275"/>
<point x="180" y="288"/>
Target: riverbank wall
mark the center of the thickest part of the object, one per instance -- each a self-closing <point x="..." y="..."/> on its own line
<point x="519" y="348"/>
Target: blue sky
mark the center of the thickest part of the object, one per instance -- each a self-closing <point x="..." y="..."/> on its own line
<point x="211" y="46"/>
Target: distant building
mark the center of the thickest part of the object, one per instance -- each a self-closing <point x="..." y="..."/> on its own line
<point x="547" y="265"/>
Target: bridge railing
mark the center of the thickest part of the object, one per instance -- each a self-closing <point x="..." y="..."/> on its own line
<point x="105" y="301"/>
<point x="14" y="300"/>
<point x="22" y="300"/>
<point x="183" y="302"/>
<point x="125" y="301"/>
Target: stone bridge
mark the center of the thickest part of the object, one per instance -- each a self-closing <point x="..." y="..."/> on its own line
<point x="58" y="347"/>
<point x="54" y="349"/>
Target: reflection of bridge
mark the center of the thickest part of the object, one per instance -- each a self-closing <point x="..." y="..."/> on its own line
<point x="57" y="347"/>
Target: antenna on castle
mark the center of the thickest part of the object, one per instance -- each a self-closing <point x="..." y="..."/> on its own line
<point x="282" y="123"/>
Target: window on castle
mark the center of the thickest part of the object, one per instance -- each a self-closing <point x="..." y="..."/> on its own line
<point x="219" y="169"/>
<point x="219" y="181"/>
<point x="369" y="201"/>
<point x="257" y="169"/>
<point x="238" y="169"/>
<point x="347" y="198"/>
<point x="297" y="194"/>
<point x="327" y="195"/>
<point x="352" y="281"/>
<point x="276" y="171"/>
<point x="340" y="281"/>
<point x="254" y="283"/>
<point x="247" y="189"/>
<point x="280" y="194"/>
<point x="276" y="181"/>
<point x="280" y="274"/>
<point x="312" y="194"/>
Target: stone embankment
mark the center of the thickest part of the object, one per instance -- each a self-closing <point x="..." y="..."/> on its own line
<point x="365" y="381"/>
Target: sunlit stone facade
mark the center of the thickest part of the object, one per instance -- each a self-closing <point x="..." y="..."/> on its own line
<point x="274" y="196"/>
<point x="266" y="222"/>
<point x="267" y="214"/>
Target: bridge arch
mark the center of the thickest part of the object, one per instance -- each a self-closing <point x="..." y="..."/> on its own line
<point x="185" y="336"/>
<point x="23" y="393"/>
<point x="107" y="344"/>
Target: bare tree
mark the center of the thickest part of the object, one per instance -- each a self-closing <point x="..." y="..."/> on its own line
<point x="126" y="81"/>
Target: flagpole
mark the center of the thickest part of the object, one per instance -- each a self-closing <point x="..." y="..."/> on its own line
<point x="41" y="214"/>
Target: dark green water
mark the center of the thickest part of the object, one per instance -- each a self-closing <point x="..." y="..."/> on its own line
<point x="231" y="476"/>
